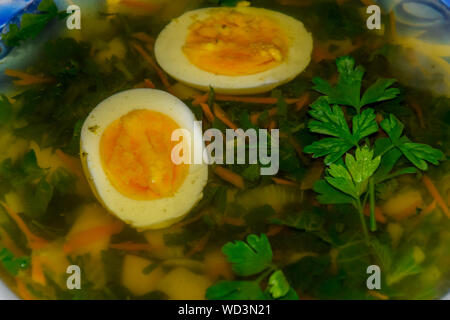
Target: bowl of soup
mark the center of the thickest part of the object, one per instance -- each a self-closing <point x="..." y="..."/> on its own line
<point x="246" y="150"/>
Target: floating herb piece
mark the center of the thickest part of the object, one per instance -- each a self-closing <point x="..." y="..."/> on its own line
<point x="253" y="257"/>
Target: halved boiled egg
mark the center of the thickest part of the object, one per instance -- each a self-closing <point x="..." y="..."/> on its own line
<point x="242" y="50"/>
<point x="127" y="155"/>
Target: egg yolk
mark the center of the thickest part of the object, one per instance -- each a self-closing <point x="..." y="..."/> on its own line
<point x="232" y="43"/>
<point x="136" y="154"/>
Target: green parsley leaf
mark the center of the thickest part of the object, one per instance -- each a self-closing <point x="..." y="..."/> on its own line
<point x="363" y="167"/>
<point x="418" y="153"/>
<point x="12" y="264"/>
<point x="348" y="88"/>
<point x="331" y="121"/>
<point x="352" y="177"/>
<point x="251" y="257"/>
<point x="340" y="178"/>
<point x="32" y="24"/>
<point x="278" y="285"/>
<point x="235" y="290"/>
<point x="329" y="194"/>
<point x="380" y="91"/>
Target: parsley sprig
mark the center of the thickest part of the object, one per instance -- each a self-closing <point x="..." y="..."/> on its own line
<point x="352" y="178"/>
<point x="32" y="24"/>
<point x="252" y="258"/>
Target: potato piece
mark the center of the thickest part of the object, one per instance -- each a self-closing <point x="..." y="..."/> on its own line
<point x="403" y="204"/>
<point x="115" y="48"/>
<point x="183" y="92"/>
<point x="181" y="283"/>
<point x="133" y="277"/>
<point x="91" y="216"/>
<point x="158" y="248"/>
<point x="217" y="266"/>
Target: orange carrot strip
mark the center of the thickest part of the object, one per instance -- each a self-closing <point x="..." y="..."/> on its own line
<point x="379" y="216"/>
<point x="73" y="164"/>
<point x="142" y="36"/>
<point x="207" y="111"/>
<point x="222" y="116"/>
<point x="26" y="78"/>
<point x="149" y="84"/>
<point x="435" y="194"/>
<point x="155" y="66"/>
<point x="393" y="26"/>
<point x="284" y="182"/>
<point x="86" y="237"/>
<point x="272" y="124"/>
<point x="429" y="208"/>
<point x="34" y="242"/>
<point x="303" y="101"/>
<point x="233" y="221"/>
<point x="419" y="113"/>
<point x="37" y="273"/>
<point x="378" y="295"/>
<point x="22" y="290"/>
<point x="200" y="99"/>
<point x="255" y="116"/>
<point x="229" y="176"/>
<point x="260" y="100"/>
<point x="199" y="246"/>
<point x="130" y="246"/>
<point x="274" y="230"/>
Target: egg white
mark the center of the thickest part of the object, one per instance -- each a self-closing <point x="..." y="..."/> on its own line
<point x="141" y="214"/>
<point x="170" y="56"/>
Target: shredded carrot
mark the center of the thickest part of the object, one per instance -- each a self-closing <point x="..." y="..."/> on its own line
<point x="207" y="111"/>
<point x="435" y="194"/>
<point x="303" y="101"/>
<point x="272" y="125"/>
<point x="130" y="246"/>
<point x="72" y="163"/>
<point x="274" y="230"/>
<point x="142" y="36"/>
<point x="37" y="273"/>
<point x="379" y="216"/>
<point x="255" y="116"/>
<point x="284" y="182"/>
<point x="430" y="208"/>
<point x="149" y="84"/>
<point x="320" y="53"/>
<point x="199" y="99"/>
<point x="233" y="221"/>
<point x="260" y="100"/>
<point x="418" y="110"/>
<point x="26" y="79"/>
<point x="22" y="290"/>
<point x="34" y="242"/>
<point x="393" y="26"/>
<point x="378" y="295"/>
<point x="229" y="176"/>
<point x="199" y="246"/>
<point x="86" y="237"/>
<point x="154" y="65"/>
<point x="222" y="116"/>
<point x="9" y="243"/>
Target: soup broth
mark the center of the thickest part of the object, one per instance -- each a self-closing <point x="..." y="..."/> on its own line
<point x="317" y="241"/>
